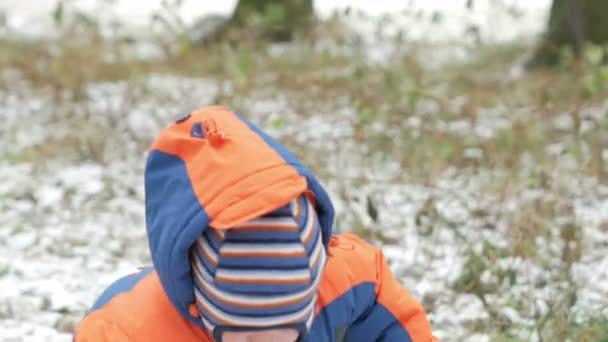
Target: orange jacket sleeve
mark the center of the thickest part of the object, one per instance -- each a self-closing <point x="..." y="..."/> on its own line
<point x="395" y="316"/>
<point x="94" y="329"/>
<point x="408" y="313"/>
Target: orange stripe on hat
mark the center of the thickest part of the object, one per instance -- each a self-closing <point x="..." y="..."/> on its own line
<point x="252" y="254"/>
<point x="293" y="281"/>
<point x="291" y="228"/>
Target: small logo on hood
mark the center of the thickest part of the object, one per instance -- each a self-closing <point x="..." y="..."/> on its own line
<point x="197" y="130"/>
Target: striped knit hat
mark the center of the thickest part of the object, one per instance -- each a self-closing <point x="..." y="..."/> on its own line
<point x="262" y="273"/>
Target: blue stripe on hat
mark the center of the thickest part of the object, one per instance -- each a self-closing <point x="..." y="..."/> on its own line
<point x="270" y="237"/>
<point x="267" y="263"/>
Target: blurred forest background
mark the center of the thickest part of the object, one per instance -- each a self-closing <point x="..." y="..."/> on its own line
<point x="470" y="140"/>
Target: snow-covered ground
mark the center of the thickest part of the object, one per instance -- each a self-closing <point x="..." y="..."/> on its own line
<point x="70" y="223"/>
<point x="71" y="189"/>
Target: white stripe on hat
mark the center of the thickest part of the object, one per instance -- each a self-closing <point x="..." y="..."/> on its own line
<point x="262" y="222"/>
<point x="263" y="275"/>
<point x="293" y="206"/>
<point x="207" y="324"/>
<point x="310" y="223"/>
<point x="271" y="248"/>
<point x="316" y="253"/>
<point x="311" y="318"/>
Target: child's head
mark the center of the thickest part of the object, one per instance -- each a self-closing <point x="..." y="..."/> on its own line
<point x="258" y="280"/>
<point x="208" y="176"/>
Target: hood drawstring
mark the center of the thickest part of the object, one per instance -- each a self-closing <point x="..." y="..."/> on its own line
<point x="193" y="310"/>
<point x="215" y="136"/>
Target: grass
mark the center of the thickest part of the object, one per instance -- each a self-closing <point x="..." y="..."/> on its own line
<point x="403" y="90"/>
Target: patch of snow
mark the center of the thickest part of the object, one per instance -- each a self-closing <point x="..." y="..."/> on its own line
<point x="563" y="122"/>
<point x="473" y="153"/>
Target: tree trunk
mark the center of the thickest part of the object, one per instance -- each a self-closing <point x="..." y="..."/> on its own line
<point x="275" y="20"/>
<point x="572" y="23"/>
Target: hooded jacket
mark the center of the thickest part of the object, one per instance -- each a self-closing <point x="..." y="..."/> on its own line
<point x="215" y="168"/>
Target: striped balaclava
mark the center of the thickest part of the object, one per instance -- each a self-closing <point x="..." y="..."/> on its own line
<point x="260" y="274"/>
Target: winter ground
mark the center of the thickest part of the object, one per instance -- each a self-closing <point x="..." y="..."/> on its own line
<point x="492" y="205"/>
<point x="70" y="226"/>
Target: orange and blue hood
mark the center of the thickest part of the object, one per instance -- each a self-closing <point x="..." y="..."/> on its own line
<point x="215" y="168"/>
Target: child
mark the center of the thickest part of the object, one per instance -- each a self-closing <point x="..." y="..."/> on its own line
<point x="241" y="240"/>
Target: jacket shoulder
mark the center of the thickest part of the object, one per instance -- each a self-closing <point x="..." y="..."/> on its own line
<point x="121" y="285"/>
<point x="354" y="255"/>
<point x="351" y="272"/>
<point x="348" y="287"/>
<point x="352" y="269"/>
<point x="136" y="308"/>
